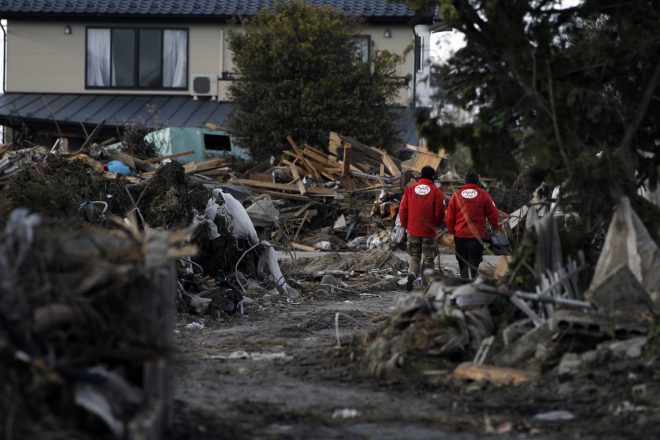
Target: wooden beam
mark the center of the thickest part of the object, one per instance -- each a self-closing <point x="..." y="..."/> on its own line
<point x="493" y="374"/>
<point x="91" y="137"/>
<point x="304" y="219"/>
<point x="195" y="167"/>
<point x="346" y="164"/>
<point x="296" y="176"/>
<point x="286" y="187"/>
<point x="302" y="158"/>
<point x="280" y="195"/>
<point x="169" y="156"/>
<point x="302" y="247"/>
<point x="391" y="166"/>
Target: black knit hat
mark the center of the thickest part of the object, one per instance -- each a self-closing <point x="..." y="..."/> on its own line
<point x="428" y="173"/>
<point x="472" y="177"/>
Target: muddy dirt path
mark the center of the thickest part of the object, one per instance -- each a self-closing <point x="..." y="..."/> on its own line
<point x="303" y="391"/>
<point x="277" y="373"/>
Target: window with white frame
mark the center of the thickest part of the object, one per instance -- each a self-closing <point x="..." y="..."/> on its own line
<point x="131" y="58"/>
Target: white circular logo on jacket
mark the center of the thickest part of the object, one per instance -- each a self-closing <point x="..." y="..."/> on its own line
<point x="469" y="193"/>
<point x="422" y="190"/>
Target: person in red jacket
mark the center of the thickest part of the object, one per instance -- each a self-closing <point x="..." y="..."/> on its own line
<point x="421" y="212"/>
<point x="467" y="212"/>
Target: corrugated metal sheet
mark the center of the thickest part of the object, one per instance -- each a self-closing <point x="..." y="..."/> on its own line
<point x="156" y="111"/>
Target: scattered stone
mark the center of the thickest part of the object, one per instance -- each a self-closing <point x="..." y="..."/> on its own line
<point x="569" y="366"/>
<point x="630" y="348"/>
<point x="554" y="416"/>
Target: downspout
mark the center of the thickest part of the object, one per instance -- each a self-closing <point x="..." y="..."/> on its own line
<point x="4" y="70"/>
<point x="414" y="79"/>
<point x="222" y="60"/>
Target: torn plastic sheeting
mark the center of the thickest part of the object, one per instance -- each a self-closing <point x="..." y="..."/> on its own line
<point x="398" y="232"/>
<point x="263" y="212"/>
<point x="242" y="227"/>
<point x="18" y="236"/>
<point x="208" y="217"/>
<point x="94" y="401"/>
<point x="629" y="242"/>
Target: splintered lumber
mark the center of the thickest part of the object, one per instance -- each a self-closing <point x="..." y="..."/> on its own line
<point x="346" y="162"/>
<point x="194" y="167"/>
<point x="423" y="159"/>
<point x="296" y="176"/>
<point x="262" y="177"/>
<point x="493" y="374"/>
<point x="281" y="195"/>
<point x="315" y="155"/>
<point x="302" y="247"/>
<point x="286" y="187"/>
<point x="302" y="158"/>
<point x="363" y="155"/>
<point x="93" y="135"/>
<point x="390" y="165"/>
<point x="169" y="156"/>
<point x="302" y="223"/>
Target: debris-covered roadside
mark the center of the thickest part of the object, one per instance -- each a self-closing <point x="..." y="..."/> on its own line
<point x="101" y="248"/>
<point x="106" y="261"/>
<point x="572" y="336"/>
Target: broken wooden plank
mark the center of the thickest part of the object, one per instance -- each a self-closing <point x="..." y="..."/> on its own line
<point x="302" y="223"/>
<point x="196" y="167"/>
<point x="296" y="176"/>
<point x="302" y="158"/>
<point x="262" y="177"/>
<point x="302" y="247"/>
<point x="493" y="374"/>
<point x="92" y="136"/>
<point x="286" y="187"/>
<point x="346" y="161"/>
<point x="315" y="155"/>
<point x="169" y="156"/>
<point x="390" y="165"/>
<point x="281" y="195"/>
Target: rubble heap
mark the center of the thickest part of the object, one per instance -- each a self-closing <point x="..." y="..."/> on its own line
<point x="489" y="332"/>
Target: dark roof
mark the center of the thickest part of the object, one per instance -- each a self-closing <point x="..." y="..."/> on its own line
<point x="71" y="110"/>
<point x="186" y="9"/>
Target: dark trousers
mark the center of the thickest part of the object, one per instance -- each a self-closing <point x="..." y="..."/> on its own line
<point x="469" y="253"/>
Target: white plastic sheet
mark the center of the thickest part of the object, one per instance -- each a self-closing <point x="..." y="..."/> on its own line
<point x="629" y="242"/>
<point x="242" y="227"/>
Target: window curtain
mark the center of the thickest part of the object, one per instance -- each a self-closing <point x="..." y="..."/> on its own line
<point x="98" y="57"/>
<point x="175" y="58"/>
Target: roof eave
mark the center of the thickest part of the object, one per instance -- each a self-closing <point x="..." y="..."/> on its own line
<point x="204" y="18"/>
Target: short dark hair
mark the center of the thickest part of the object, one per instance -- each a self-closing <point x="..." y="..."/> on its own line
<point x="428" y="173"/>
<point x="472" y="177"/>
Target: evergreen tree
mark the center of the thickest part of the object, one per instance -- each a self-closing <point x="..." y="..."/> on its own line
<point x="300" y="75"/>
<point x="571" y="92"/>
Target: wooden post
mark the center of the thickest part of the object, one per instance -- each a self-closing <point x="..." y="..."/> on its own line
<point x="346" y="164"/>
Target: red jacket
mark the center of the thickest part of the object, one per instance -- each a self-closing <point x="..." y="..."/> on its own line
<point x="468" y="210"/>
<point x="422" y="209"/>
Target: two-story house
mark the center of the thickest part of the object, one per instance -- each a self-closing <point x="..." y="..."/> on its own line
<point x="70" y="64"/>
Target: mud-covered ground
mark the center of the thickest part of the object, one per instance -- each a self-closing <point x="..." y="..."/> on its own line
<point x="277" y="372"/>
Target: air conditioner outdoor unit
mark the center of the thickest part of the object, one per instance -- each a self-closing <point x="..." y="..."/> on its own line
<point x="204" y="85"/>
